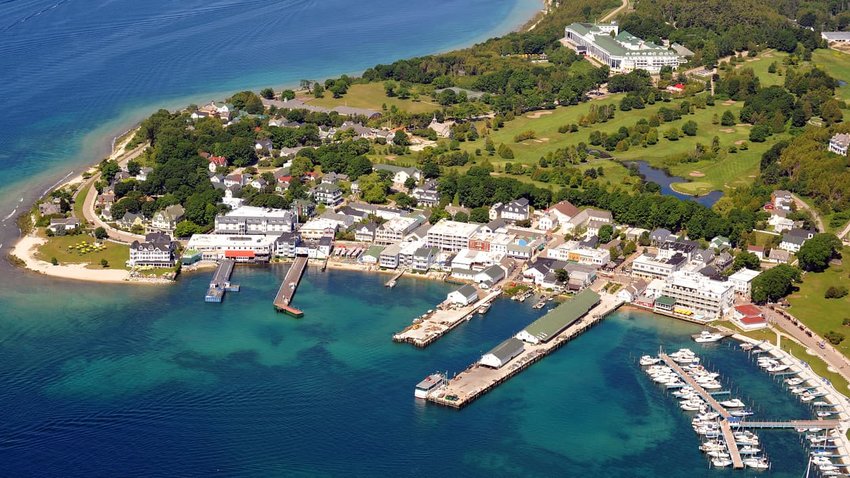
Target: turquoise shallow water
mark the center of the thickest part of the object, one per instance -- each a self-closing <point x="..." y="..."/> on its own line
<point x="121" y="381"/>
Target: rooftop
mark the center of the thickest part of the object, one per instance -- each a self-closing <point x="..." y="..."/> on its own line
<point x="446" y="226"/>
<point x="563" y="316"/>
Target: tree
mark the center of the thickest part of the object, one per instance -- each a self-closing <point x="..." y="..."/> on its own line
<point x="404" y="201"/>
<point x="100" y="233"/>
<point x="318" y="90"/>
<point x="746" y="260"/>
<point x="759" y="133"/>
<point x="461" y="216"/>
<point x="267" y="93"/>
<point x="54" y="261"/>
<point x="690" y="128"/>
<point x="133" y="167"/>
<point x="605" y="233"/>
<point x="410" y="183"/>
<point x="816" y="253"/>
<point x="400" y="138"/>
<point x="480" y="214"/>
<point x="287" y="95"/>
<point x="644" y="239"/>
<point x="672" y="134"/>
<point x="774" y="284"/>
<point x="505" y="152"/>
<point x="831" y="112"/>
<point x="104" y="263"/>
<point x="186" y="229"/>
<point x="728" y="119"/>
<point x="834" y="292"/>
<point x="562" y="275"/>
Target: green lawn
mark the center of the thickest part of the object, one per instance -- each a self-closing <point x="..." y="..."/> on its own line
<point x="60" y="247"/>
<point x="837" y="64"/>
<point x="820" y="314"/>
<point x="78" y="203"/>
<point x="761" y="63"/>
<point x="372" y="96"/>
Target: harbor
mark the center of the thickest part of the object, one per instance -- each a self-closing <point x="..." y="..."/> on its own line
<point x="220" y="282"/>
<point x="434" y="324"/>
<point x="544" y="336"/>
<point x="283" y="299"/>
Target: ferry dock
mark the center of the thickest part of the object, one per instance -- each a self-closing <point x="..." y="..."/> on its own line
<point x="283" y="299"/>
<point x="220" y="282"/>
<point x="539" y="339"/>
<point x="439" y="322"/>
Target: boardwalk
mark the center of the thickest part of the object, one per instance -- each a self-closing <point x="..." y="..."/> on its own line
<point x="283" y="300"/>
<point x="477" y="380"/>
<point x="221" y="282"/>
<point x="801" y="424"/>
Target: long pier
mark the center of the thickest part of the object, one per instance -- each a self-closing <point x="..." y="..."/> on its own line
<point x="439" y="323"/>
<point x="801" y="424"/>
<point x="220" y="282"/>
<point x="283" y="299"/>
<point x="477" y="379"/>
<point x="725" y="426"/>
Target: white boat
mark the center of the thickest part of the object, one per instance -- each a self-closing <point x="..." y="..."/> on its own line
<point x="748" y="450"/>
<point x="712" y="385"/>
<point x="429" y="384"/>
<point x="484" y="308"/>
<point x="734" y="403"/>
<point x="649" y="360"/>
<point x="707" y="337"/>
<point x="757" y="463"/>
<point x="740" y="413"/>
<point x="721" y="462"/>
<point x="794" y="381"/>
<point x="825" y="414"/>
<point x="778" y="368"/>
<point x="807" y="397"/>
<point x="691" y="405"/>
<point x="746" y="346"/>
<point x="718" y="454"/>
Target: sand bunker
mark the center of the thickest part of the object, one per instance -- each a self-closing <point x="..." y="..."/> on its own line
<point x="727" y="130"/>
<point x="538" y="114"/>
<point x="696" y="174"/>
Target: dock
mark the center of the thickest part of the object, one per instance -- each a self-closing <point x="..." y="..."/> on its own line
<point x="283" y="299"/>
<point x="439" y="323"/>
<point x="220" y="282"/>
<point x="801" y="424"/>
<point x="479" y="379"/>
<point x="392" y="282"/>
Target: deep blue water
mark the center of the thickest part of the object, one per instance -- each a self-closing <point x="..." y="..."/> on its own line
<point x="76" y="73"/>
<point x="660" y="177"/>
<point x="120" y="381"/>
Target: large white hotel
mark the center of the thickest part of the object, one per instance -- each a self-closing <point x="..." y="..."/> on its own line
<point x="620" y="50"/>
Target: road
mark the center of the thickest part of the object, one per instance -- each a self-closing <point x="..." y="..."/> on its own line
<point x="843" y="234"/>
<point x="802" y="205"/>
<point x="615" y="12"/>
<point x="785" y="322"/>
<point x="88" y="205"/>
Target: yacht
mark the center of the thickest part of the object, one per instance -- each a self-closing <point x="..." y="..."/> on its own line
<point x="807" y="397"/>
<point x="707" y="337"/>
<point x="734" y="403"/>
<point x="778" y="368"/>
<point x="740" y="413"/>
<point x="647" y="360"/>
<point x="748" y="450"/>
<point x="746" y="346"/>
<point x="794" y="381"/>
<point x="712" y="385"/>
<point x="484" y="308"/>
<point x="691" y="405"/>
<point x="757" y="463"/>
<point x="721" y="462"/>
<point x="429" y="384"/>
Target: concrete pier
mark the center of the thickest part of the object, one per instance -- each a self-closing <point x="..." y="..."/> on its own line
<point x="220" y="282"/>
<point x="438" y="323"/>
<point x="288" y="287"/>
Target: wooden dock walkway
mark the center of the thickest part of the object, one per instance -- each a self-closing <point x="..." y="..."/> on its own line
<point x="725" y="426"/>
<point x="807" y="424"/>
<point x="220" y="282"/>
<point x="477" y="379"/>
<point x="391" y="283"/>
<point x="283" y="299"/>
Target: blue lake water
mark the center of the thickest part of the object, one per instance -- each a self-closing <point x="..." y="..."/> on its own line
<point x="120" y="381"/>
<point x="660" y="177"/>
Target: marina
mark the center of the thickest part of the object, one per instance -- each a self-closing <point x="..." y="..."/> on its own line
<point x="434" y="324"/>
<point x="283" y="299"/>
<point x="541" y="338"/>
<point x="220" y="282"/>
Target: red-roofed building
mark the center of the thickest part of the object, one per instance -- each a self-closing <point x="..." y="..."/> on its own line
<point x="283" y="183"/>
<point x="240" y="256"/>
<point x="757" y="250"/>
<point x="749" y="317"/>
<point x="677" y="88"/>
<point x="217" y="162"/>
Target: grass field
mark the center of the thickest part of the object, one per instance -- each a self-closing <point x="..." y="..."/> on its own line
<point x="372" y="96"/>
<point x="837" y="64"/>
<point x="78" y="203"/>
<point x="728" y="171"/>
<point x="761" y="63"/>
<point x="60" y="248"/>
<point x="820" y="314"/>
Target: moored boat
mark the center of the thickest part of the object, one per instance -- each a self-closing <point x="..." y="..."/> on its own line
<point x="429" y="384"/>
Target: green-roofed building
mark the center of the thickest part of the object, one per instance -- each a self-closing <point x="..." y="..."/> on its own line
<point x="372" y="255"/>
<point x="620" y="50"/>
<point x="559" y="318"/>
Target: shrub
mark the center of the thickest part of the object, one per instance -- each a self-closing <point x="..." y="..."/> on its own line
<point x="834" y="337"/>
<point x="505" y="152"/>
<point x="530" y="134"/>
<point x="54" y="261"/>
<point x="835" y="292"/>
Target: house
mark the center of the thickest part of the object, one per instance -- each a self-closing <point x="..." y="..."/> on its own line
<point x="779" y="221"/>
<point x="334" y="178"/>
<point x="560" y="214"/>
<point x="287" y="244"/>
<point x="399" y="174"/>
<point x="720" y="243"/>
<point x="489" y="276"/>
<point x="517" y="210"/>
<point x="660" y="236"/>
<point x="259" y="184"/>
<point x="427" y="194"/>
<point x="794" y="239"/>
<point x="590" y="219"/>
<point x="389" y="256"/>
<point x="167" y="219"/>
<point x="329" y="194"/>
<point x="217" y="162"/>
<point x="503" y="353"/>
<point x="757" y="250"/>
<point x="129" y="220"/>
<point x="723" y="260"/>
<point x="781" y="199"/>
<point x="234" y="179"/>
<point x="372" y="256"/>
<point x="423" y="258"/>
<point x="263" y="145"/>
<point x="631" y="292"/>
<point x="158" y="250"/>
<point x="658" y="267"/>
<point x="779" y="256"/>
<point x="839" y="144"/>
<point x="51" y="208"/>
<point x="443" y="130"/>
<point x="63" y="225"/>
<point x="143" y="174"/>
<point x="396" y="229"/>
<point x="451" y="236"/>
<point x="230" y="200"/>
<point x="742" y="281"/>
<point x="749" y="317"/>
<point x="464" y="296"/>
<point x="365" y="232"/>
<point x="836" y="37"/>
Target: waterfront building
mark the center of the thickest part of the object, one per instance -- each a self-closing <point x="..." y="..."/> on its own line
<point x="742" y="281"/>
<point x="547" y="327"/>
<point x="287" y="244"/>
<point x="156" y="251"/>
<point x="654" y="267"/>
<point x="502" y="353"/>
<point x="749" y="317"/>
<point x="397" y="228"/>
<point x="423" y="258"/>
<point x="489" y="276"/>
<point x="451" y="235"/>
<point x="247" y="220"/>
<point x="365" y="232"/>
<point x="242" y="248"/>
<point x="464" y="296"/>
<point x="622" y="52"/>
<point x="319" y="227"/>
<point x="698" y="294"/>
<point x="372" y="256"/>
<point x="389" y="256"/>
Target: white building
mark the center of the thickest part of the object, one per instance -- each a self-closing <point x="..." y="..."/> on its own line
<point x="464" y="296"/>
<point x="839" y="144"/>
<point x="517" y="210"/>
<point x="699" y="294"/>
<point x="653" y="267"/>
<point x="157" y="251"/>
<point x="396" y="229"/>
<point x="558" y="215"/>
<point x="240" y="247"/>
<point x="254" y="220"/>
<point x="572" y="251"/>
<point x="742" y="281"/>
<point x="319" y="227"/>
<point x="399" y="174"/>
<point x="329" y="194"/>
<point x="623" y="52"/>
<point x="503" y="353"/>
<point x="451" y="235"/>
